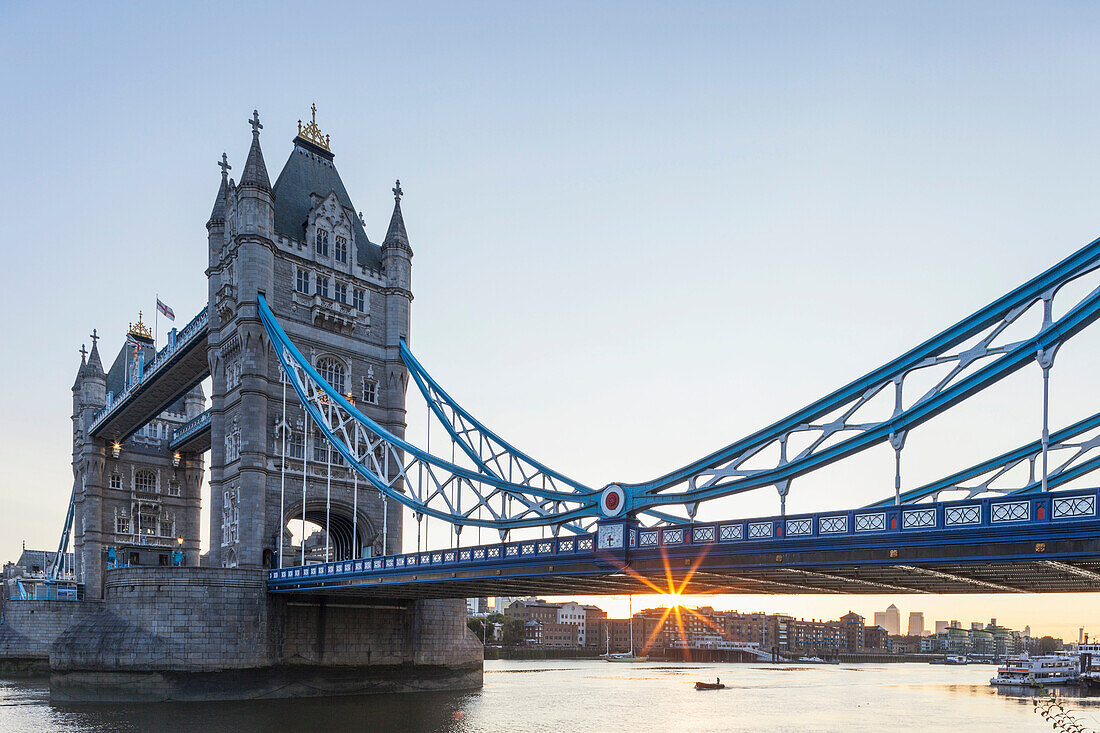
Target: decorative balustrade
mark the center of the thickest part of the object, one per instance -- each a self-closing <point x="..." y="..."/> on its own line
<point x="191" y="427"/>
<point x="824" y="527"/>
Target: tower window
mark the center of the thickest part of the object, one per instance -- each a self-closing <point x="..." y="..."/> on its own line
<point x="145" y="481"/>
<point x="333" y="372"/>
<point x="357" y="299"/>
<point x="341" y="249"/>
<point x="322" y="286"/>
<point x="303" y="281"/>
<point x="321" y="239"/>
<point x="294" y="445"/>
<point x="122" y="525"/>
<point x="173" y="488"/>
<point x="341" y="292"/>
<point x="147" y="523"/>
<point x="370" y="391"/>
<point x="115" y="481"/>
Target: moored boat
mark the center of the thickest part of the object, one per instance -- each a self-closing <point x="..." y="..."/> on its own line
<point x="1090" y="665"/>
<point x="709" y="686"/>
<point x="1044" y="671"/>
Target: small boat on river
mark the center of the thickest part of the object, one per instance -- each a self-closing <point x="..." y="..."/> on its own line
<point x="709" y="686"/>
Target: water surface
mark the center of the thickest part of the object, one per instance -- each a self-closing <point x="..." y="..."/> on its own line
<point x="578" y="695"/>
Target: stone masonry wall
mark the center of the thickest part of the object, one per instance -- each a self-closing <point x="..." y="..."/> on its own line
<point x="30" y="627"/>
<point x="199" y="633"/>
<point x="172" y="619"/>
<point x="331" y="632"/>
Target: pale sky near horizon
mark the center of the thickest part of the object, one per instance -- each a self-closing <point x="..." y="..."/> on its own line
<point x="641" y="230"/>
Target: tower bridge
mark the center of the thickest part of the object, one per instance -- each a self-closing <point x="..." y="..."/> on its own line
<point x="305" y="341"/>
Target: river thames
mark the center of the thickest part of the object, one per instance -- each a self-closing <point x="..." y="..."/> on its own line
<point x="533" y="697"/>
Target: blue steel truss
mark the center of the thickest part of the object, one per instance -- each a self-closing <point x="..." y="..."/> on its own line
<point x="505" y="488"/>
<point x="425" y="483"/>
<point x="1080" y="440"/>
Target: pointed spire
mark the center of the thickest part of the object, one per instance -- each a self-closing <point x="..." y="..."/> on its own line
<point x="95" y="364"/>
<point x="396" y="234"/>
<point x="218" y="212"/>
<point x="255" y="170"/>
<point x="83" y="366"/>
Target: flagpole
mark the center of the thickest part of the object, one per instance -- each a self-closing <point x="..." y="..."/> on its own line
<point x="156" y="324"/>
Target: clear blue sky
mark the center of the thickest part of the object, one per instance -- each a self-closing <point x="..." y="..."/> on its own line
<point x="641" y="230"/>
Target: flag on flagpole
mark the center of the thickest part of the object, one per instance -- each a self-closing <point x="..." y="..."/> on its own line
<point x="131" y="341"/>
<point x="168" y="312"/>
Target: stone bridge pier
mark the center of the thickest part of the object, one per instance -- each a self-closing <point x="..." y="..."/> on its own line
<point x="198" y="633"/>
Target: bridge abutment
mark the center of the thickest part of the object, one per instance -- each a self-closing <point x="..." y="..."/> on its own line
<point x="216" y="633"/>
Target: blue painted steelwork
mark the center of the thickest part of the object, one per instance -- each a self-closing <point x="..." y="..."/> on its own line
<point x="1006" y="359"/>
<point x="189" y="429"/>
<point x="390" y="463"/>
<point x="927" y="525"/>
<point x="545" y="497"/>
<point x="62" y="546"/>
<point x="195" y="329"/>
<point x="491" y="454"/>
<point x="994" y="468"/>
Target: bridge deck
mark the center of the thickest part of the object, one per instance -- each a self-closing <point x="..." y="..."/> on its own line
<point x="1023" y="544"/>
<point x="174" y="372"/>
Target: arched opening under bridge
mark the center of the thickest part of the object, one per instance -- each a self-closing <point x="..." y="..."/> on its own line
<point x="349" y="535"/>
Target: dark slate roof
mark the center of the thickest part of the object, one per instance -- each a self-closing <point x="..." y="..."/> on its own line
<point x="396" y="233"/>
<point x="116" y="376"/>
<point x="218" y="212"/>
<point x="255" y="170"/>
<point x="309" y="169"/>
<point x="95" y="364"/>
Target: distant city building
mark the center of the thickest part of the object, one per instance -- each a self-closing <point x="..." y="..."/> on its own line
<point x="941" y="626"/>
<point x="593" y="615"/>
<point x="890" y="619"/>
<point x="916" y="623"/>
<point x="557" y="624"/>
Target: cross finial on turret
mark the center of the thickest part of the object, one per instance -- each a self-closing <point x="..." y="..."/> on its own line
<point x="83" y="352"/>
<point x="224" y="165"/>
<point x="94" y="337"/>
<point x="255" y="122"/>
<point x="397" y="192"/>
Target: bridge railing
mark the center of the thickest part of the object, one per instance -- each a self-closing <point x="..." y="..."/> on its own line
<point x="189" y="428"/>
<point x="945" y="517"/>
<point x="184" y="337"/>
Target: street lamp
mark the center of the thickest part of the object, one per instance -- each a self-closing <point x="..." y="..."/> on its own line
<point x="116" y="448"/>
<point x="176" y="459"/>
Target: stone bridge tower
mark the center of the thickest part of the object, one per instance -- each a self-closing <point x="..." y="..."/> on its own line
<point x="344" y="300"/>
<point x="136" y="502"/>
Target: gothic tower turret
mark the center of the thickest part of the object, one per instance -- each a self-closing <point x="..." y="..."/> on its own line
<point x="215" y="225"/>
<point x="240" y="361"/>
<point x="89" y="457"/>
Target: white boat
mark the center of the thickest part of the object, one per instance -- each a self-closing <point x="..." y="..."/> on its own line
<point x="1090" y="665"/>
<point x="1044" y="671"/>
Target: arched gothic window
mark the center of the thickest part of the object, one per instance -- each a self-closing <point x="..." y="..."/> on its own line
<point x="333" y="372"/>
<point x="145" y="481"/>
<point x="321" y="239"/>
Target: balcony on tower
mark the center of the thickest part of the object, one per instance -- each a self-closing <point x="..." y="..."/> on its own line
<point x="332" y="314"/>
